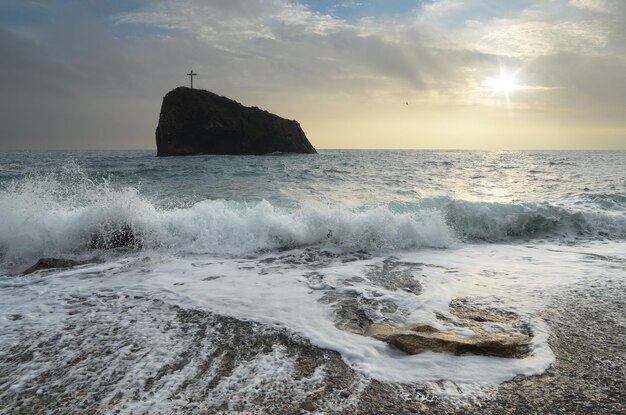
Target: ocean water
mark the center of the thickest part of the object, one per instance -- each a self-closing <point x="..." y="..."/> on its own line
<point x="317" y="244"/>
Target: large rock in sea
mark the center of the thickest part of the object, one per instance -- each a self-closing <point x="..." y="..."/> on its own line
<point x="194" y="121"/>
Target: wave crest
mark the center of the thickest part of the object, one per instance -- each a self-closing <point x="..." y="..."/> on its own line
<point x="62" y="213"/>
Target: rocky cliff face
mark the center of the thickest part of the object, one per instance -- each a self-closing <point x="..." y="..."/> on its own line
<point x="195" y="121"/>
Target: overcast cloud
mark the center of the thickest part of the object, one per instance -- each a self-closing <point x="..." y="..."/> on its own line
<point x="90" y="74"/>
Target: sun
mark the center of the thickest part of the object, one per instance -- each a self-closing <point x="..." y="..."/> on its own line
<point x="503" y="84"/>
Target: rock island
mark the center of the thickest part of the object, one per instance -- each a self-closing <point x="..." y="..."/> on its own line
<point x="194" y="121"/>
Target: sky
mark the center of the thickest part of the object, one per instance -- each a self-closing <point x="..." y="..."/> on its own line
<point x="418" y="74"/>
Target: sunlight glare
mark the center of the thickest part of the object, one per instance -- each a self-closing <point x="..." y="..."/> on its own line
<point x="505" y="84"/>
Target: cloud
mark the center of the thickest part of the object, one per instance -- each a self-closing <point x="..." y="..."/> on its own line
<point x="232" y="21"/>
<point x="538" y="38"/>
<point x="568" y="55"/>
<point x="300" y="62"/>
<point x="292" y="41"/>
<point x="589" y="83"/>
<point x="594" y="5"/>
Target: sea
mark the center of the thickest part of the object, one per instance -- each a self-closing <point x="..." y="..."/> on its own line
<point x="314" y="244"/>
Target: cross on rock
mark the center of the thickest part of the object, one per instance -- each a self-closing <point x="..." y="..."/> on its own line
<point x="191" y="74"/>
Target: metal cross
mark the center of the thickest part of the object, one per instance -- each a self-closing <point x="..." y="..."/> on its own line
<point x="191" y="74"/>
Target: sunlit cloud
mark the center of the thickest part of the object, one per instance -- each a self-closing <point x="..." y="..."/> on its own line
<point x="535" y="38"/>
<point x="345" y="62"/>
<point x="594" y="5"/>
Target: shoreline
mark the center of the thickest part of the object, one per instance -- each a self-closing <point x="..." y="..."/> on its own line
<point x="102" y="362"/>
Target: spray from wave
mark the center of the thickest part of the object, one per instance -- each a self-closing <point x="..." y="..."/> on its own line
<point x="66" y="213"/>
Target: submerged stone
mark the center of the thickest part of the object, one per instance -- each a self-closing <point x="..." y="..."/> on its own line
<point x="50" y="263"/>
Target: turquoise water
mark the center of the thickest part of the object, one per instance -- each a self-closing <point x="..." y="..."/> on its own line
<point x="344" y="178"/>
<point x="53" y="201"/>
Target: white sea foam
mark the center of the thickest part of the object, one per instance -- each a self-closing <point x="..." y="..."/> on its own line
<point x="48" y="216"/>
<point x="517" y="278"/>
<point x="59" y="214"/>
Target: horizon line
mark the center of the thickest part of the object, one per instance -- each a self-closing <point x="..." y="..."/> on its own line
<point x="327" y="149"/>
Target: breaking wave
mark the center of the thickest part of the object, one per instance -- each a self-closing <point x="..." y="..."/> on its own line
<point x="66" y="213"/>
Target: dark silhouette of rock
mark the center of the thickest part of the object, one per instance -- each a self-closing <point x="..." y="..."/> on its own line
<point x="50" y="263"/>
<point x="194" y="121"/>
<point x="113" y="238"/>
<point x="420" y="338"/>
